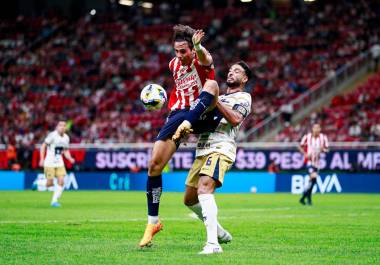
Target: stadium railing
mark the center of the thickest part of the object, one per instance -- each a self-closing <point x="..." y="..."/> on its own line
<point x="317" y="91"/>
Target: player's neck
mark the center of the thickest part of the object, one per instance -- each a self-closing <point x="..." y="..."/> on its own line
<point x="315" y="135"/>
<point x="231" y="90"/>
<point x="234" y="89"/>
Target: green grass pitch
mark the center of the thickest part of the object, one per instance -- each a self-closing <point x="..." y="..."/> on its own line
<point x="105" y="228"/>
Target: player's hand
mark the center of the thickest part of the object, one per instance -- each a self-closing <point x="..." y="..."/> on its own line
<point x="41" y="163"/>
<point x="183" y="130"/>
<point x="72" y="160"/>
<point x="197" y="37"/>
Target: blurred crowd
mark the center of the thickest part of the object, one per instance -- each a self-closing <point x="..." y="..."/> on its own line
<point x="353" y="116"/>
<point x="90" y="71"/>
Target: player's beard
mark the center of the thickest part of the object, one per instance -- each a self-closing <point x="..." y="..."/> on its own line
<point x="233" y="84"/>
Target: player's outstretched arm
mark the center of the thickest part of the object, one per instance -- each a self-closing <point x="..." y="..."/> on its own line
<point x="203" y="55"/>
<point x="234" y="117"/>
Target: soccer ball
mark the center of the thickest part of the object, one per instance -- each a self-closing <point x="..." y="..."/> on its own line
<point x="153" y="97"/>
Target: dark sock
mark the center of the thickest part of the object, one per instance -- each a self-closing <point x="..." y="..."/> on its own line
<point x="153" y="194"/>
<point x="204" y="102"/>
<point x="310" y="190"/>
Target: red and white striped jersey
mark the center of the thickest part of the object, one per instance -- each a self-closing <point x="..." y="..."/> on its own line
<point x="313" y="147"/>
<point x="189" y="81"/>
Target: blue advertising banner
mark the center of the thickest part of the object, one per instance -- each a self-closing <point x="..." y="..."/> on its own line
<point x="246" y="159"/>
<point x="84" y="180"/>
<point x="326" y="183"/>
<point x="234" y="181"/>
<point x="10" y="180"/>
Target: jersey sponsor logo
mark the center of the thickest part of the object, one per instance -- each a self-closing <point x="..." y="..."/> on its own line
<point x="189" y="81"/>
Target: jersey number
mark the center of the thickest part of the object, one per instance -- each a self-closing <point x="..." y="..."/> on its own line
<point x="58" y="150"/>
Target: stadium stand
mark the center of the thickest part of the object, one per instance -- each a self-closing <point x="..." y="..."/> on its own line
<point x="351" y="117"/>
<point x="91" y="71"/>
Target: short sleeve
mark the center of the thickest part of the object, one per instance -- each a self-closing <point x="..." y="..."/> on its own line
<point x="49" y="138"/>
<point x="243" y="105"/>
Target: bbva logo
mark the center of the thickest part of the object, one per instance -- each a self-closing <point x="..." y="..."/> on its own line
<point x="328" y="184"/>
<point x="70" y="182"/>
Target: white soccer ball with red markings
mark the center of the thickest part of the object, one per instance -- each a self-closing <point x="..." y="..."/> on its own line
<point x="153" y="97"/>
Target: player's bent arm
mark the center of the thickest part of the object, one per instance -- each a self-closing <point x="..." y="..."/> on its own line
<point x="42" y="154"/>
<point x="204" y="57"/>
<point x="299" y="147"/>
<point x="67" y="154"/>
<point x="232" y="116"/>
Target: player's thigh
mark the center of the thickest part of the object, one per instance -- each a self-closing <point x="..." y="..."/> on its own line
<point x="172" y="122"/>
<point x="49" y="173"/>
<point x="191" y="196"/>
<point x="60" y="173"/>
<point x="162" y="151"/>
<point x="215" y="167"/>
<point x="193" y="175"/>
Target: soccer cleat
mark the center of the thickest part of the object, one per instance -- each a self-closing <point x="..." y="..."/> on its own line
<point x="182" y="131"/>
<point x="55" y="204"/>
<point x="211" y="248"/>
<point x="150" y="231"/>
<point x="302" y="202"/>
<point x="225" y="238"/>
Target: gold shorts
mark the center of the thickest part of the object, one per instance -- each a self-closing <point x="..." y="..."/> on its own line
<point x="214" y="165"/>
<point x="52" y="172"/>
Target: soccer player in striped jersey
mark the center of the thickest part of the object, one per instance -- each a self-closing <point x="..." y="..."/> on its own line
<point x="189" y="99"/>
<point x="311" y="146"/>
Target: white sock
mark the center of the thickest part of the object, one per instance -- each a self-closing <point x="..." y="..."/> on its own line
<point x="57" y="193"/>
<point x="210" y="213"/>
<point x="197" y="209"/>
<point x="152" y="219"/>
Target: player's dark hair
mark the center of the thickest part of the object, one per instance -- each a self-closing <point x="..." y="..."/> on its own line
<point x="246" y="68"/>
<point x="183" y="33"/>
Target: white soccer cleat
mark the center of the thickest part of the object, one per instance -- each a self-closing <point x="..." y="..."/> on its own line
<point x="225" y="237"/>
<point x="211" y="248"/>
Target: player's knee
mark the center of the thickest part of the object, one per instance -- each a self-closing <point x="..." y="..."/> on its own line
<point x="61" y="181"/>
<point x="206" y="185"/>
<point x="212" y="87"/>
<point x="49" y="182"/>
<point x="155" y="167"/>
<point x="313" y="175"/>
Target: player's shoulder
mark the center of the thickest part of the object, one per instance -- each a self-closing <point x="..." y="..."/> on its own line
<point x="66" y="137"/>
<point x="240" y="96"/>
<point x="173" y="63"/>
<point x="306" y="135"/>
<point x="52" y="134"/>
